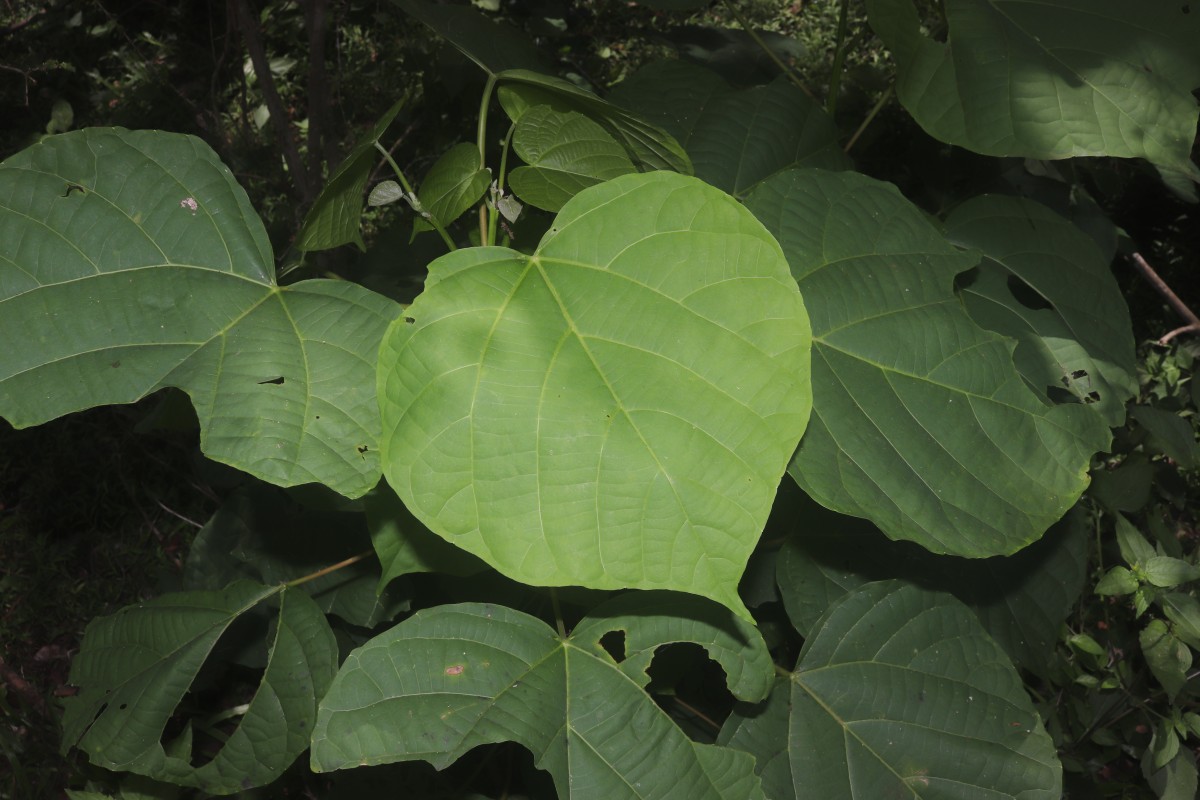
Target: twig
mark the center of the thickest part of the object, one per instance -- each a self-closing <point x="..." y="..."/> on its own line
<point x="766" y="48"/>
<point x="331" y="568"/>
<point x="177" y="515"/>
<point x="279" y="118"/>
<point x="870" y="116"/>
<point x="1180" y="307"/>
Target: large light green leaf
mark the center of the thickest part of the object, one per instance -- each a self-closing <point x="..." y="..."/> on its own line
<point x="899" y="693"/>
<point x="1052" y="79"/>
<point x="1045" y="283"/>
<point x="131" y="261"/>
<point x="735" y="138"/>
<point x="565" y="154"/>
<point x="613" y="411"/>
<point x="648" y="145"/>
<point x="336" y="215"/>
<point x="451" y="678"/>
<point x="134" y="667"/>
<point x="1022" y="600"/>
<point x="921" y="423"/>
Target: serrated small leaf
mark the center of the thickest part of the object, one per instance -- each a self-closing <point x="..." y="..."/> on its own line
<point x="336" y="215"/>
<point x="921" y="422"/>
<point x="569" y="441"/>
<point x="1184" y="612"/>
<point x="1166" y="572"/>
<point x="1135" y="549"/>
<point x="1169" y="659"/>
<point x="454" y="677"/>
<point x="1048" y="80"/>
<point x="564" y="154"/>
<point x="1177" y="780"/>
<point x="134" y="667"/>
<point x="385" y="192"/>
<point x="1086" y="644"/>
<point x="1165" y="744"/>
<point x="155" y="272"/>
<point x="899" y="692"/>
<point x="1117" y="581"/>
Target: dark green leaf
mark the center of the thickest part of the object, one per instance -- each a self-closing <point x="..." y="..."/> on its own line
<point x="1167" y="572"/>
<point x="1184" y="612"/>
<point x="405" y="546"/>
<point x="1134" y="547"/>
<point x="1173" y="434"/>
<point x="157" y="272"/>
<point x="921" y="422"/>
<point x="1117" y="581"/>
<point x="494" y="46"/>
<point x="1169" y="659"/>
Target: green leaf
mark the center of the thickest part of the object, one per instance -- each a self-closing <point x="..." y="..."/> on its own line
<point x="1117" y="581"/>
<point x="405" y="546"/>
<point x="736" y="139"/>
<point x="134" y="667"/>
<point x="921" y="422"/>
<point x="1184" y="612"/>
<point x="494" y="46"/>
<point x="1134" y="547"/>
<point x="612" y="411"/>
<point x="454" y="183"/>
<point x="1173" y="434"/>
<point x="336" y="215"/>
<point x="1176" y="780"/>
<point x="1169" y="659"/>
<point x="131" y="261"/>
<point x="1022" y="600"/>
<point x="1167" y="572"/>
<point x="263" y="535"/>
<point x="454" y="677"/>
<point x="647" y="145"/>
<point x="1045" y="283"/>
<point x="566" y="154"/>
<point x="900" y="693"/>
<point x="1053" y="79"/>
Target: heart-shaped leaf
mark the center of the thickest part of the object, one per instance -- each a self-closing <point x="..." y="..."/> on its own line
<point x="899" y="693"/>
<point x="735" y="138"/>
<point x="131" y="261"/>
<point x="1052" y="79"/>
<point x="921" y="422"/>
<point x="565" y="154"/>
<point x="457" y="676"/>
<point x="1045" y="283"/>
<point x="614" y="410"/>
<point x="134" y="667"/>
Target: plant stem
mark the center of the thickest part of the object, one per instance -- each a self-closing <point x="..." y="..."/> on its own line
<point x="408" y="190"/>
<point x="494" y="213"/>
<point x="558" y="617"/>
<point x="331" y="568"/>
<point x="1181" y="308"/>
<point x="839" y="60"/>
<point x="481" y="133"/>
<point x="875" y="109"/>
<point x="766" y="48"/>
<point x="691" y="709"/>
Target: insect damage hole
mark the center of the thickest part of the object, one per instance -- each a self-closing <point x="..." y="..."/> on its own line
<point x="276" y="381"/>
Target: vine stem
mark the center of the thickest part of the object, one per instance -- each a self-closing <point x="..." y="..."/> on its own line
<point x="839" y="60"/>
<point x="874" y="112"/>
<point x="758" y="40"/>
<point x="1181" y="308"/>
<point x="411" y="196"/>
<point x="331" y="568"/>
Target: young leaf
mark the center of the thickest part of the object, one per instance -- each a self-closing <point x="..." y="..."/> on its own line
<point x="336" y="215"/>
<point x="649" y="146"/>
<point x="614" y="410"/>
<point x="455" y="183"/>
<point x="899" y="692"/>
<point x="1117" y="581"/>
<point x="134" y="667"/>
<point x="385" y="193"/>
<point x="1045" y="283"/>
<point x="565" y="153"/>
<point x="1022" y="600"/>
<point x="156" y="272"/>
<point x="457" y="676"/>
<point x="921" y="422"/>
<point x="1052" y="80"/>
<point x="736" y="139"/>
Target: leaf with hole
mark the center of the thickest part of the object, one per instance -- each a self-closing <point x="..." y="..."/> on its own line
<point x="454" y="677"/>
<point x="921" y="422"/>
<point x="553" y="414"/>
<point x="135" y="666"/>
<point x="157" y="273"/>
